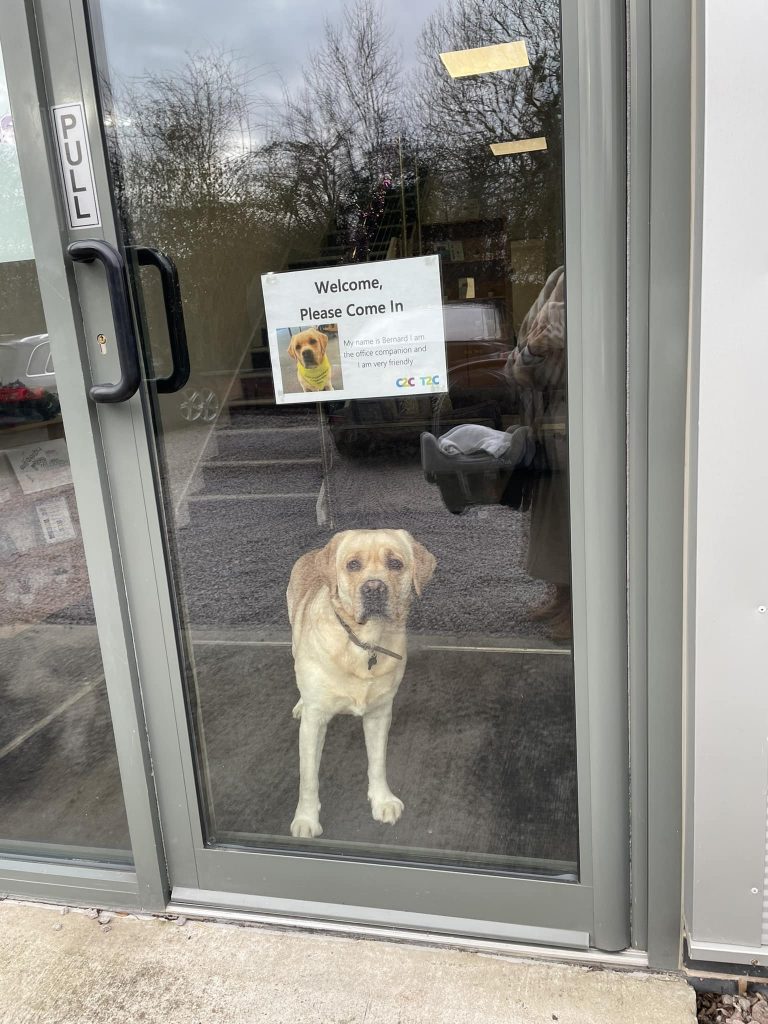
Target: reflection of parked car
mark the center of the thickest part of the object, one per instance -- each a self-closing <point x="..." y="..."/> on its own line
<point x="28" y="391"/>
<point x="478" y="343"/>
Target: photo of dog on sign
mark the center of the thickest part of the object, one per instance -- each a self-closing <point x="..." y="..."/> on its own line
<point x="309" y="358"/>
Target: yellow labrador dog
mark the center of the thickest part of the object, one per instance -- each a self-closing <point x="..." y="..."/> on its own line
<point x="348" y="604"/>
<point x="308" y="349"/>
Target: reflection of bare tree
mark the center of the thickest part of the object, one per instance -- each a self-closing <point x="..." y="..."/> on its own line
<point x="180" y="145"/>
<point x="335" y="136"/>
<point x="461" y="117"/>
<point x="230" y="184"/>
<point x="183" y="136"/>
<point x="227" y="197"/>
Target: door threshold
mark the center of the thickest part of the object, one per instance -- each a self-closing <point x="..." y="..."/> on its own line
<point x="250" y="636"/>
<point x="190" y="904"/>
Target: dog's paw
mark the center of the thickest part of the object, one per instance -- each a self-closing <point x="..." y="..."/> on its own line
<point x="304" y="827"/>
<point x="297" y="710"/>
<point x="386" y="808"/>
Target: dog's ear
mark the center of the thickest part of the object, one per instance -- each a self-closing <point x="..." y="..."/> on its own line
<point x="323" y="339"/>
<point x="424" y="563"/>
<point x="292" y="350"/>
<point x="325" y="563"/>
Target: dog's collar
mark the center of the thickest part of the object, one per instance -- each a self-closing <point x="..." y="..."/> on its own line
<point x="373" y="649"/>
<point x="315" y="374"/>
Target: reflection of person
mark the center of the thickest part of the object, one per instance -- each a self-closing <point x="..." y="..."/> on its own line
<point x="308" y="349"/>
<point x="538" y="367"/>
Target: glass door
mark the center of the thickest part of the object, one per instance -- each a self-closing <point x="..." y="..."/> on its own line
<point x="61" y="793"/>
<point x="388" y="598"/>
<point x="76" y="813"/>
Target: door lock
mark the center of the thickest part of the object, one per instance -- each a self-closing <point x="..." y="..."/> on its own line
<point x="86" y="251"/>
<point x="102" y="343"/>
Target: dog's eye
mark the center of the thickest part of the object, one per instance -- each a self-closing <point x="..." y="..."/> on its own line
<point x="394" y="564"/>
<point x="354" y="565"/>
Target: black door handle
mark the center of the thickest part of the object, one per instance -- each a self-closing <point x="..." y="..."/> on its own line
<point x="117" y="283"/>
<point x="174" y="314"/>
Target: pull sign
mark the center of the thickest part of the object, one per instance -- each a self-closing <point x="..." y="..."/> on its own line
<point x="76" y="169"/>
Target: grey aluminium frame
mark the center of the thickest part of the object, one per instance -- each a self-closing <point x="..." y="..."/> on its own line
<point x="638" y="189"/>
<point x="56" y="879"/>
<point x="659" y="119"/>
<point x="669" y="239"/>
<point x="599" y="905"/>
<point x="594" y="47"/>
<point x="659" y="220"/>
<point x="595" y="219"/>
<point x="658" y="255"/>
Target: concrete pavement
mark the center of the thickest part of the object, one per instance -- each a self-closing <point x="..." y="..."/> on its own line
<point x="68" y="968"/>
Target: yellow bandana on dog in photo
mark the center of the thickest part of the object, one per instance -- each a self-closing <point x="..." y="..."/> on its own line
<point x="315" y="378"/>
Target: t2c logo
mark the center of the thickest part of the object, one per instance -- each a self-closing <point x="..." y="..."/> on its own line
<point x="412" y="382"/>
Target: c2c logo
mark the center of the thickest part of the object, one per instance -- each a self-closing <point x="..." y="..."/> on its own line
<point x="412" y="382"/>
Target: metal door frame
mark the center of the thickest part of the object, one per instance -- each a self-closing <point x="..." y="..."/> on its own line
<point x="113" y="448"/>
<point x="144" y="885"/>
<point x="287" y="883"/>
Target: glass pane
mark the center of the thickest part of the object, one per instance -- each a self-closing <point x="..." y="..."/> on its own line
<point x="60" y="789"/>
<point x="326" y="136"/>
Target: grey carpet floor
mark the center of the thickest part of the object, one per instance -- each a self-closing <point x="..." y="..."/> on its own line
<point x="482" y="752"/>
<point x="58" y="765"/>
<point x="235" y="571"/>
<point x="482" y="747"/>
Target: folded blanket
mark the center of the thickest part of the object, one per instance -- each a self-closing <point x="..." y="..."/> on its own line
<point x="471" y="439"/>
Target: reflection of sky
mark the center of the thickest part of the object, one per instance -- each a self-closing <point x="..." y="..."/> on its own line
<point x="275" y="37"/>
<point x="5" y="105"/>
<point x="15" y="240"/>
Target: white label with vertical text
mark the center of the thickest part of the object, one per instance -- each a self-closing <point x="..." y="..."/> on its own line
<point x="76" y="166"/>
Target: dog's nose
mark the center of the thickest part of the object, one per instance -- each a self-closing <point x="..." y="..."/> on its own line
<point x="374" y="588"/>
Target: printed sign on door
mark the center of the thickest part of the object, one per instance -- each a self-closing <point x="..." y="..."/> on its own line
<point x="368" y="330"/>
